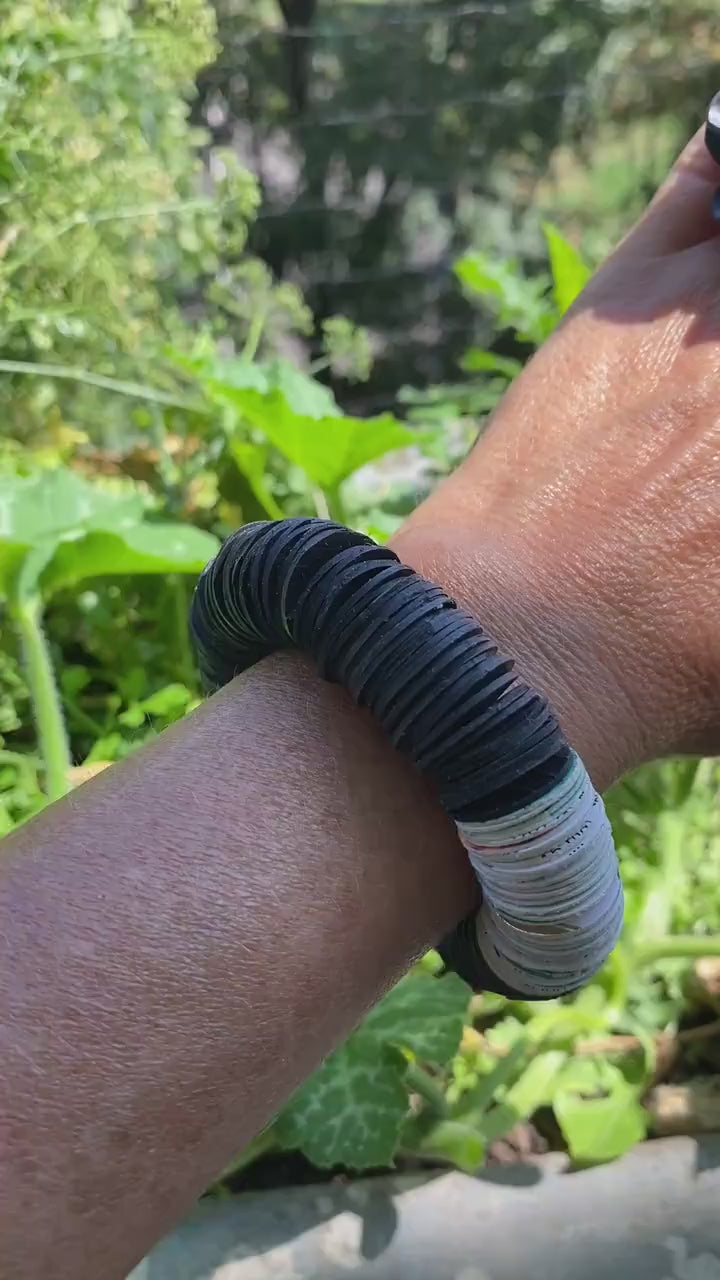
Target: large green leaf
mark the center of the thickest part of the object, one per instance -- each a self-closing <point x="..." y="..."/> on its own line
<point x="599" y="1112"/>
<point x="301" y="418"/>
<point x="36" y="510"/>
<point x="302" y="394"/>
<point x="327" y="449"/>
<point x="424" y="1014"/>
<point x="520" y="303"/>
<point x="37" y="506"/>
<point x="600" y="1129"/>
<point x="57" y="529"/>
<point x="144" y="548"/>
<point x="351" y="1111"/>
<point x="570" y="272"/>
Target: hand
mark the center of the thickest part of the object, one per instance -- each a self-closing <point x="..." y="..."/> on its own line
<point x="584" y="528"/>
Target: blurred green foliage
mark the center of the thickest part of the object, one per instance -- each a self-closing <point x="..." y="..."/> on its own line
<point x="388" y="135"/>
<point x="109" y="222"/>
<point x="98" y="191"/>
<point x="152" y="406"/>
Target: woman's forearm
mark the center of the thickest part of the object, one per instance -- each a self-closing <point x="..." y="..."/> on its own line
<point x="182" y="940"/>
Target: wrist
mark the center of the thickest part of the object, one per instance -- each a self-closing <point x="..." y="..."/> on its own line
<point x="564" y="641"/>
<point x="384" y="814"/>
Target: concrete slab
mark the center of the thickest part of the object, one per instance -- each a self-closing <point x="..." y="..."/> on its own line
<point x="654" y="1215"/>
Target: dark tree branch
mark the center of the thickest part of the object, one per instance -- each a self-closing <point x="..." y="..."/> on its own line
<point x="298" y="15"/>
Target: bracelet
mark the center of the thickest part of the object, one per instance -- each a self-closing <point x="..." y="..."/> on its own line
<point x="525" y="809"/>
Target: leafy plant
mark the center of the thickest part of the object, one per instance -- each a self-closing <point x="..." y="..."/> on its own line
<point x="273" y="403"/>
<point x="57" y="530"/>
<point x="520" y="303"/>
<point x="414" y="1079"/>
<point x="96" y="163"/>
<point x="353" y="1109"/>
<point x="570" y="273"/>
<point x="456" y="122"/>
<point x="529" y="307"/>
<point x="111" y="223"/>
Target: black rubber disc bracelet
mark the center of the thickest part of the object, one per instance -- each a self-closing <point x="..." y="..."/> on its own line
<point x="425" y="668"/>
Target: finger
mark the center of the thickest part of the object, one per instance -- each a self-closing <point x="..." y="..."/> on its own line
<point x="680" y="215"/>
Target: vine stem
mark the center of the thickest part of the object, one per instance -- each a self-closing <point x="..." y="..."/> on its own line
<point x="52" y="737"/>
<point x="678" y="947"/>
<point x="419" y="1081"/>
<point x="135" y="390"/>
<point x="254" y="336"/>
<point x="322" y="508"/>
<point x="131" y="212"/>
<point x="328" y="503"/>
<point x="186" y="658"/>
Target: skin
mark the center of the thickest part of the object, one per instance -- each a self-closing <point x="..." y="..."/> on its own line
<point x="185" y="937"/>
<point x="584" y="528"/>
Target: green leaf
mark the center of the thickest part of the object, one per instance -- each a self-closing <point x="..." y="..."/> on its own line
<point x="170" y="703"/>
<point x="519" y="302"/>
<point x="478" y="361"/>
<point x="590" y="1076"/>
<point x="424" y="1014"/>
<point x="455" y="1142"/>
<point x="598" y="1128"/>
<point x="224" y="375"/>
<point x="535" y="1086"/>
<point x="473" y="270"/>
<point x="251" y="459"/>
<point x="570" y="272"/>
<point x="143" y="548"/>
<point x="56" y="529"/>
<point x="37" y="506"/>
<point x="37" y="510"/>
<point x="351" y="1111"/>
<point x="301" y="418"/>
<point x="327" y="449"/>
<point x="431" y="962"/>
<point x="302" y="394"/>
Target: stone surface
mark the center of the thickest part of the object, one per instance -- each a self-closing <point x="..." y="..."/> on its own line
<point x="655" y="1215"/>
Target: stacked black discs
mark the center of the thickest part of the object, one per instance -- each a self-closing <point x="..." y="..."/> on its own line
<point x="401" y="647"/>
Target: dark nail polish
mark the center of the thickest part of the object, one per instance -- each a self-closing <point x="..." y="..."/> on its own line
<point x="715" y="206"/>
